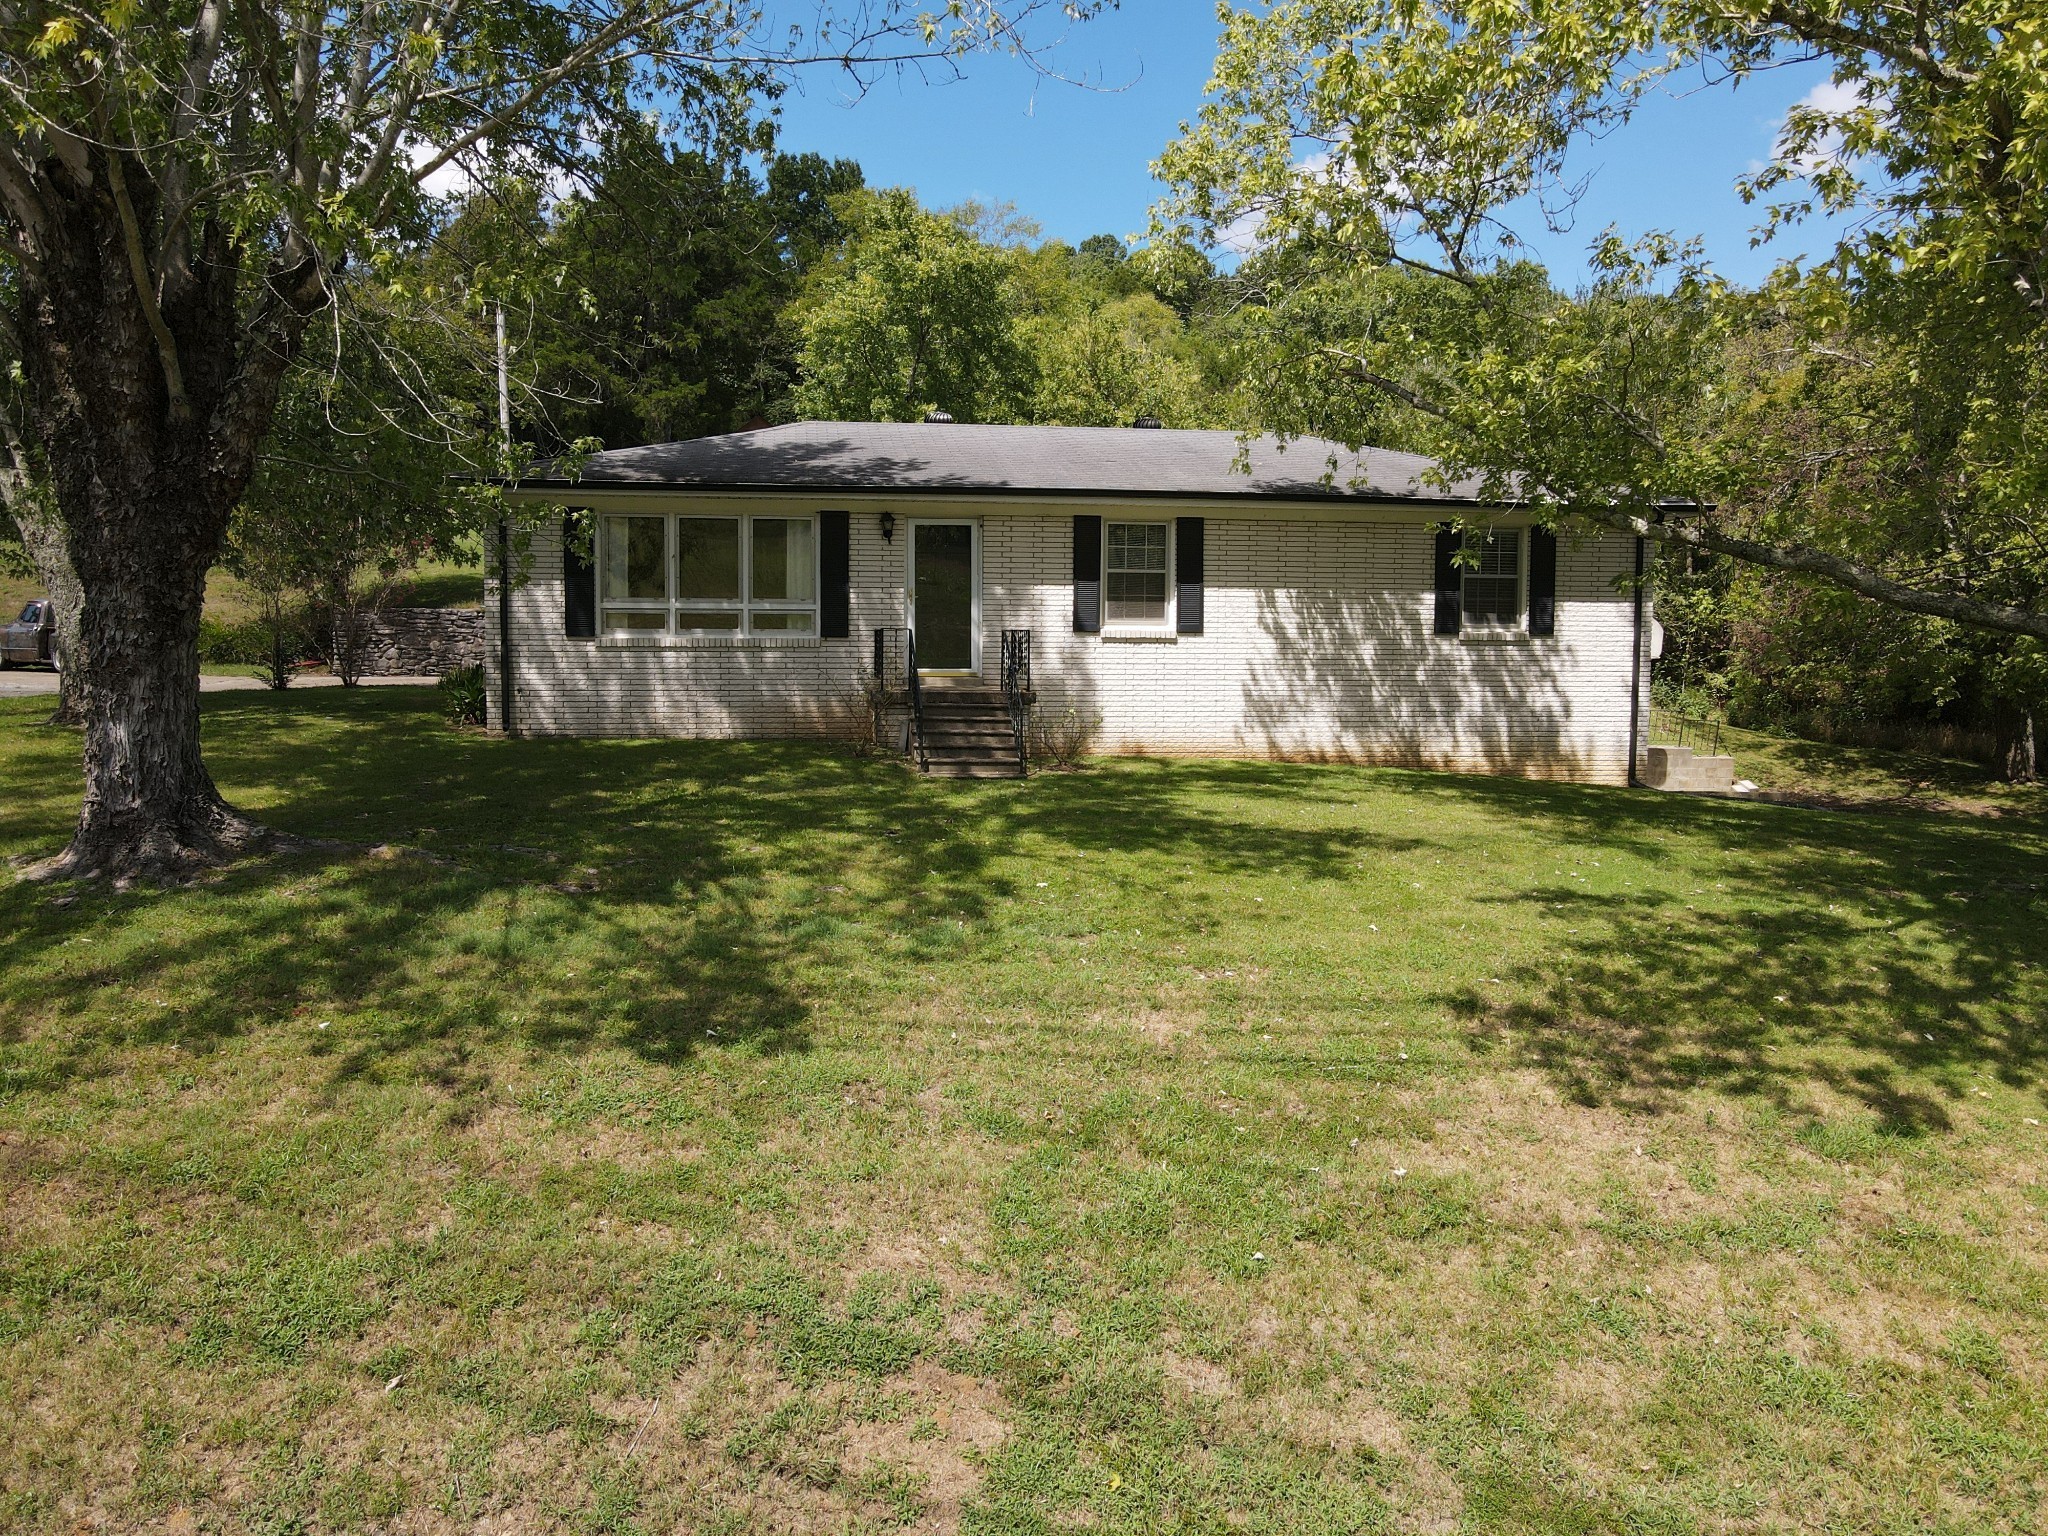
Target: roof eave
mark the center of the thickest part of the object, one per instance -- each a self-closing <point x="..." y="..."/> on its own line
<point x="1011" y="492"/>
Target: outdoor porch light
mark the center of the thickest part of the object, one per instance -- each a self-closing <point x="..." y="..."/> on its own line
<point x="888" y="527"/>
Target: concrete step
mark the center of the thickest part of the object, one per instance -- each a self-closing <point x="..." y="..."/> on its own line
<point x="1680" y="770"/>
<point x="1660" y="762"/>
<point x="977" y="695"/>
<point x="971" y="752"/>
<point x="974" y="768"/>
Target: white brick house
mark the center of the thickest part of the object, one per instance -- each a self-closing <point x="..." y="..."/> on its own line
<point x="734" y="586"/>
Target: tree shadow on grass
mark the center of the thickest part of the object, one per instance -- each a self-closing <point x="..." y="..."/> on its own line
<point x="710" y="884"/>
<point x="663" y="896"/>
<point x="1892" y="959"/>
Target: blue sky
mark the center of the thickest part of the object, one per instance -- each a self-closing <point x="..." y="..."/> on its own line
<point x="1077" y="160"/>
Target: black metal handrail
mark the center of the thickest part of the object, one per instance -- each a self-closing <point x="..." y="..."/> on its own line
<point x="1669" y="728"/>
<point x="1017" y="687"/>
<point x="916" y="698"/>
<point x="896" y="671"/>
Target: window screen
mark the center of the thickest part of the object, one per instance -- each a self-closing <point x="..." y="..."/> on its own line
<point x="1493" y="584"/>
<point x="1134" y="573"/>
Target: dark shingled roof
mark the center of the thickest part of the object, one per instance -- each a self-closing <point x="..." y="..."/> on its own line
<point x="976" y="460"/>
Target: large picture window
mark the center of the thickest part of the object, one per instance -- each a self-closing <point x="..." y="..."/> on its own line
<point x="709" y="575"/>
<point x="1134" y="572"/>
<point x="1493" y="579"/>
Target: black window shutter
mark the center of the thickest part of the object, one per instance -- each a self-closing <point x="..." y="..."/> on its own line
<point x="1187" y="574"/>
<point x="1450" y="581"/>
<point x="835" y="575"/>
<point x="1542" y="582"/>
<point x="579" y="584"/>
<point x="1087" y="575"/>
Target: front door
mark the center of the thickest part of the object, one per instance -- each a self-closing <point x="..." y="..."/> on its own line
<point x="945" y="596"/>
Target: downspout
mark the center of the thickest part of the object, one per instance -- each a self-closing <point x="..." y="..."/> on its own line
<point x="505" y="627"/>
<point x="1635" y="676"/>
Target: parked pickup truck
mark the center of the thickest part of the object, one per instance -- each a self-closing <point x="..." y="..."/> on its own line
<point x="31" y="640"/>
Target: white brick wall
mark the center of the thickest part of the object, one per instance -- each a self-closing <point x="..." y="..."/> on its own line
<point x="1317" y="644"/>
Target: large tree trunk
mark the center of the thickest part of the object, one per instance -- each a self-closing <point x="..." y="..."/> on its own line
<point x="149" y="414"/>
<point x="151" y="809"/>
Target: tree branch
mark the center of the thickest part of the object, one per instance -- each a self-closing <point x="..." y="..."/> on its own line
<point x="145" y="289"/>
<point x="593" y="47"/>
<point x="1356" y="369"/>
<point x="1834" y="569"/>
<point x="358" y="90"/>
<point x="204" y="49"/>
<point x="1852" y="575"/>
<point x="306" y="169"/>
<point x="1802" y="22"/>
<point x="397" y="118"/>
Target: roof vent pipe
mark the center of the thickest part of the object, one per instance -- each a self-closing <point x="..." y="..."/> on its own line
<point x="1150" y="423"/>
<point x="938" y="418"/>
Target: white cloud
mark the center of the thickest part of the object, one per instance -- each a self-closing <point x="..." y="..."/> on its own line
<point x="451" y="180"/>
<point x="457" y="180"/>
<point x="1241" y="235"/>
<point x="1830" y="96"/>
<point x="1833" y="96"/>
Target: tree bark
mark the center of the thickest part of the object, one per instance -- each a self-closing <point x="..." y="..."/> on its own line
<point x="147" y="455"/>
<point x="2018" y="756"/>
<point x="151" y="810"/>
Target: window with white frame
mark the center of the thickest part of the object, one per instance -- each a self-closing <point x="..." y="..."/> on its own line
<point x="686" y="575"/>
<point x="1493" y="579"/>
<point x="1136" y="559"/>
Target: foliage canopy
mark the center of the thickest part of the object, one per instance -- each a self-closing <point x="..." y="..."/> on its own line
<point x="1381" y="150"/>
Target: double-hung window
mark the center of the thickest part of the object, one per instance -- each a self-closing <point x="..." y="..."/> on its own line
<point x="1493" y="579"/>
<point x="636" y="575"/>
<point x="1137" y="560"/>
<point x="709" y="576"/>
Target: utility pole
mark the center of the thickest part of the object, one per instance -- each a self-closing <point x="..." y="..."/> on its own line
<point x="504" y="390"/>
<point x="504" y="536"/>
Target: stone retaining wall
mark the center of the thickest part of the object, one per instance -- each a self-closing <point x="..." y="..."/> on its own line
<point x="421" y="642"/>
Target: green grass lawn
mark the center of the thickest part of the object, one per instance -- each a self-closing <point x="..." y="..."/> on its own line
<point x="435" y="584"/>
<point x="1788" y="765"/>
<point x="715" y="1138"/>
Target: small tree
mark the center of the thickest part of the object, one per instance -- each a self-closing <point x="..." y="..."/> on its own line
<point x="363" y="473"/>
